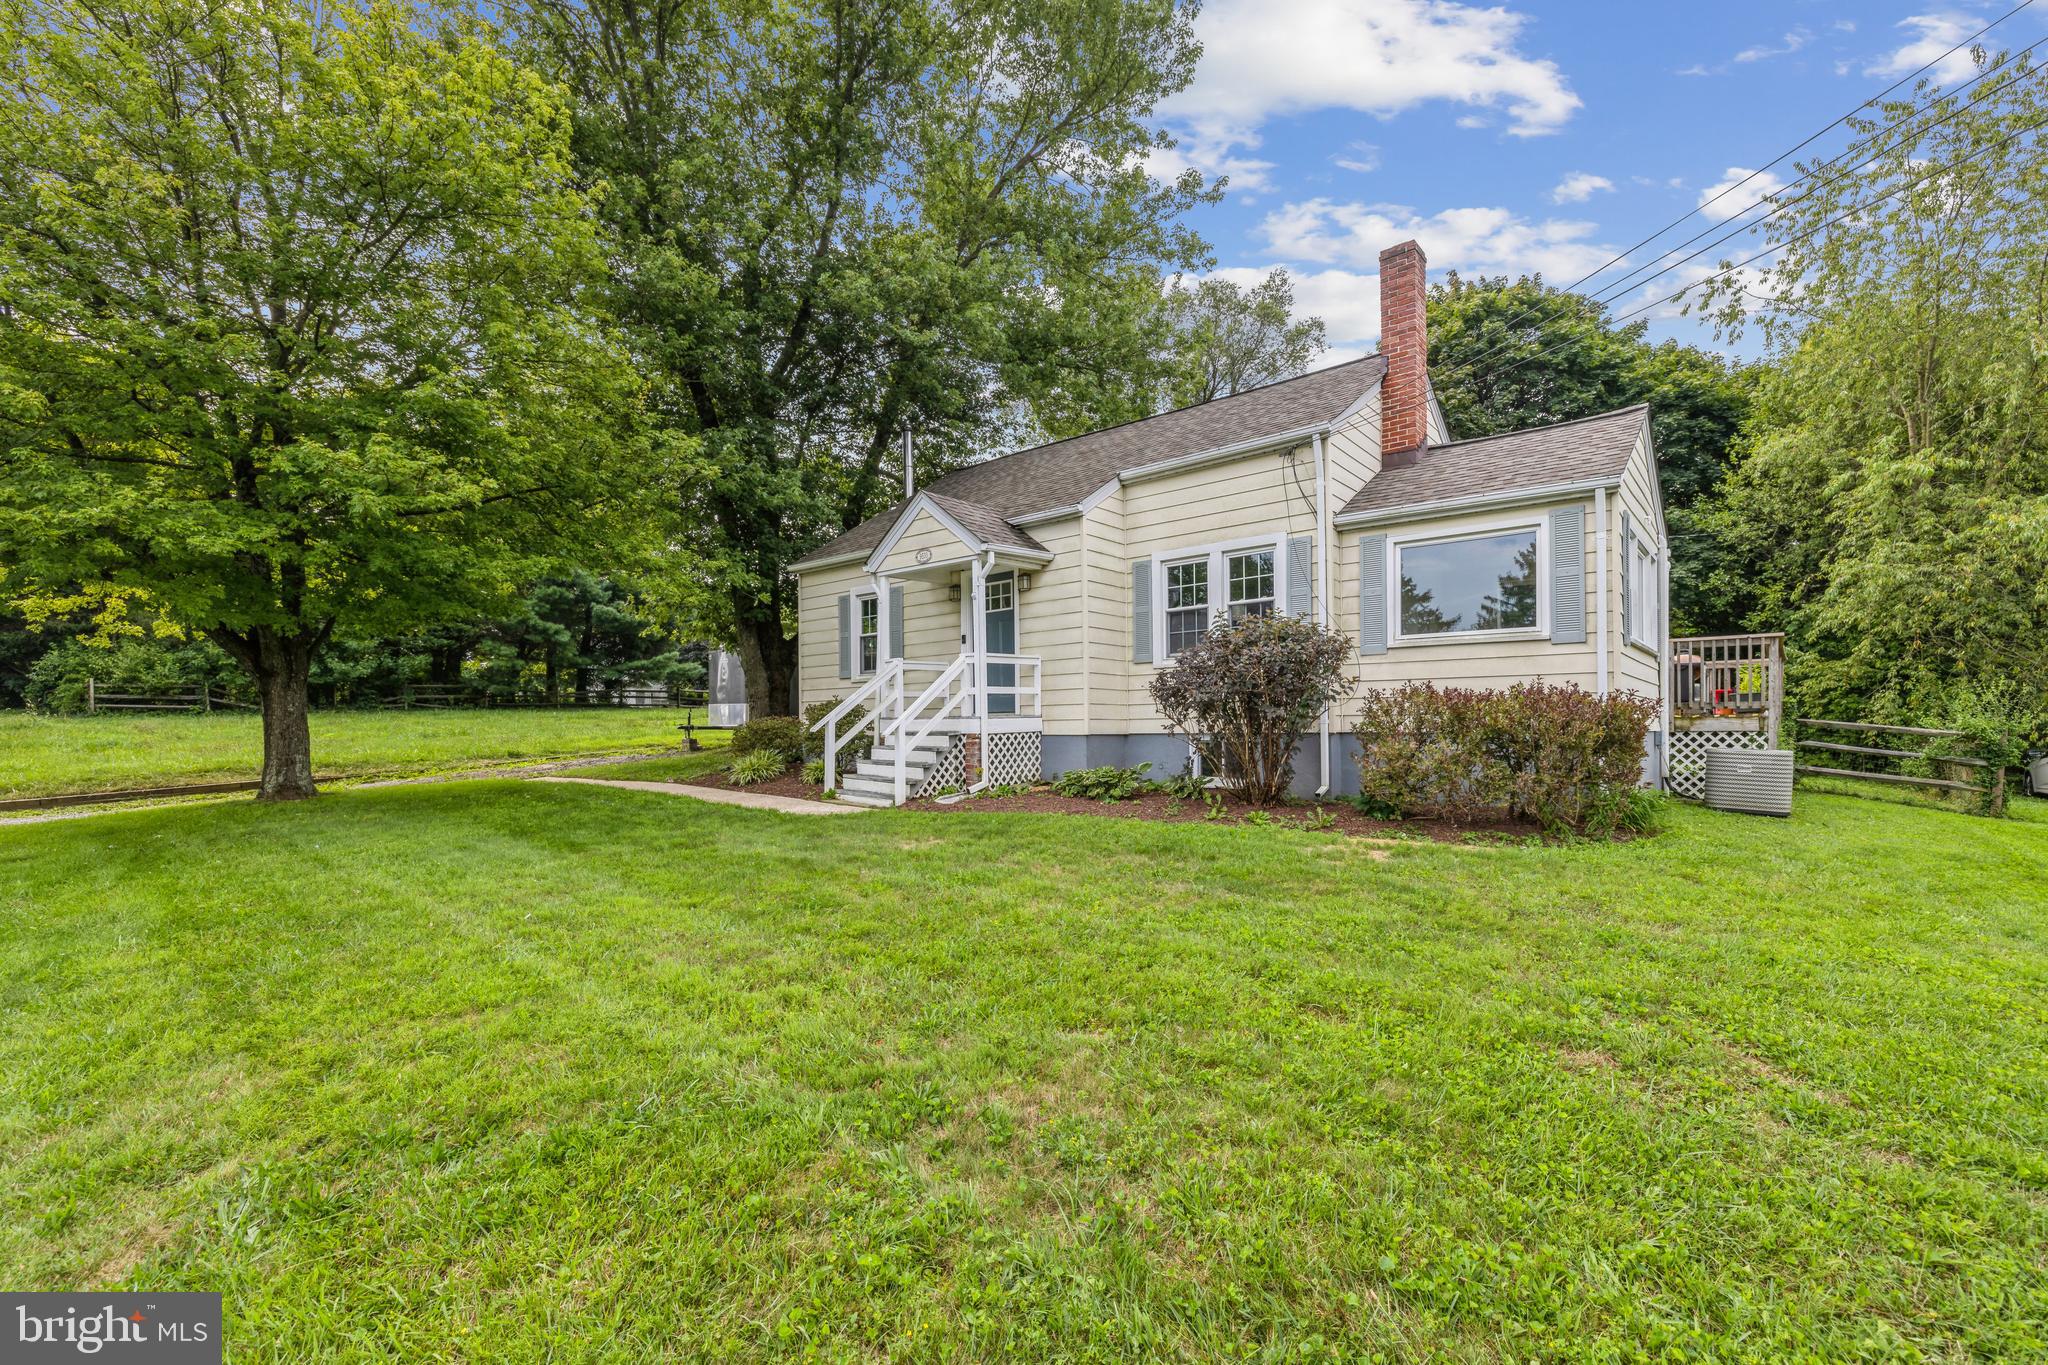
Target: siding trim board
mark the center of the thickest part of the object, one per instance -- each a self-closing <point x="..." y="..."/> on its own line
<point x="1424" y="511"/>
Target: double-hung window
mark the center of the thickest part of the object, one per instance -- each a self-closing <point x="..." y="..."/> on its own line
<point x="1206" y="586"/>
<point x="1480" y="584"/>
<point x="1187" y="603"/>
<point x="870" y="608"/>
<point x="1251" y="583"/>
<point x="1643" y="595"/>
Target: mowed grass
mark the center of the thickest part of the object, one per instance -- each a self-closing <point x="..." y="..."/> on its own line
<point x="42" y="755"/>
<point x="520" y="1071"/>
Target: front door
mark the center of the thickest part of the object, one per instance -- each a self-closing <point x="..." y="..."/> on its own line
<point x="1002" y="639"/>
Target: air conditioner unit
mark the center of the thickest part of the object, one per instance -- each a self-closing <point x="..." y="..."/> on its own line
<point x="1754" y="781"/>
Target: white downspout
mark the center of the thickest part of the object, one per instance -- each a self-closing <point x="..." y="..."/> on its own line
<point x="1323" y="592"/>
<point x="1600" y="589"/>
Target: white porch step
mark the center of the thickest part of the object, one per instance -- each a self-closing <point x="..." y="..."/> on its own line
<point x="865" y="798"/>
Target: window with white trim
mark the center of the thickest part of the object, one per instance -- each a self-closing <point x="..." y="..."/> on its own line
<point x="1476" y="584"/>
<point x="870" y="608"/>
<point x="1197" y="588"/>
<point x="1251" y="583"/>
<point x="1644" y="598"/>
<point x="1187" y="603"/>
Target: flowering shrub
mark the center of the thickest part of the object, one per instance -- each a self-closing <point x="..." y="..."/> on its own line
<point x="1560" y="756"/>
<point x="1246" y="692"/>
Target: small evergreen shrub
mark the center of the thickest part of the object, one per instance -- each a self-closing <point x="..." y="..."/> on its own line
<point x="780" y="735"/>
<point x="1245" y="694"/>
<point x="761" y="765"/>
<point x="1104" y="784"/>
<point x="1560" y="756"/>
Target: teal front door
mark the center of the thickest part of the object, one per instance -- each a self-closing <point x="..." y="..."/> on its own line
<point x="1002" y="639"/>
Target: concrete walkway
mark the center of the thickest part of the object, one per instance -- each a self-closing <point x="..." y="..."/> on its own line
<point x="786" y="805"/>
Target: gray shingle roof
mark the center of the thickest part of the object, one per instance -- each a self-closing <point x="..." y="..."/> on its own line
<point x="1579" y="451"/>
<point x="985" y="522"/>
<point x="1048" y="477"/>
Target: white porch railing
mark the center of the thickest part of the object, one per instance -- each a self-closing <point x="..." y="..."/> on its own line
<point x="956" y="692"/>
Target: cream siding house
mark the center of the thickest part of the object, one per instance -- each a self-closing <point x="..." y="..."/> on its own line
<point x="1006" y="622"/>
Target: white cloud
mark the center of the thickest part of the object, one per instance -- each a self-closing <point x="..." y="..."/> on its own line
<point x="1934" y="35"/>
<point x="1792" y="42"/>
<point x="1362" y="157"/>
<point x="1738" y="200"/>
<point x="1261" y="61"/>
<point x="1697" y="70"/>
<point x="1491" y="241"/>
<point x="1578" y="187"/>
<point x="1655" y="295"/>
<point x="1347" y="301"/>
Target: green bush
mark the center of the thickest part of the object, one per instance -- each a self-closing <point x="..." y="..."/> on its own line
<point x="1560" y="756"/>
<point x="57" y="680"/>
<point x="814" y="772"/>
<point x="761" y="765"/>
<point x="1104" y="784"/>
<point x="780" y="735"/>
<point x="851" y="751"/>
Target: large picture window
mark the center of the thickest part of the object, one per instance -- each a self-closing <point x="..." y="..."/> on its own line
<point x="1480" y="584"/>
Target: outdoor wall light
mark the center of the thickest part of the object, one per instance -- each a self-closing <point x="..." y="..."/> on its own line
<point x="1023" y="582"/>
<point x="953" y="592"/>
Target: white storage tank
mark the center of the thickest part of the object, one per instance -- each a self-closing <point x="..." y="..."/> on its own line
<point x="1755" y="781"/>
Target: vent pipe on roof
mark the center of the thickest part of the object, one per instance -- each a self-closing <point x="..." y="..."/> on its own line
<point x="1404" y="341"/>
<point x="909" y="470"/>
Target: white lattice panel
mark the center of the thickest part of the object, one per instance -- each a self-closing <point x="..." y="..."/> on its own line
<point x="949" y="771"/>
<point x="1013" y="758"/>
<point x="1686" y="770"/>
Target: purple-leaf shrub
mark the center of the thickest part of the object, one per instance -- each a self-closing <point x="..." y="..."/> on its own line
<point x="1245" y="694"/>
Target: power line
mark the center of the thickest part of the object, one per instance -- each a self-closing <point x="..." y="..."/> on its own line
<point x="1613" y="292"/>
<point x="1779" y="246"/>
<point x="1790" y="151"/>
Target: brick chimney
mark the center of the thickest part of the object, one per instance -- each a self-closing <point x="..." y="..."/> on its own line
<point x="1404" y="341"/>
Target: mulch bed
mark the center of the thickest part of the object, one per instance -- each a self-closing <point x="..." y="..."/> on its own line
<point x="1344" y="817"/>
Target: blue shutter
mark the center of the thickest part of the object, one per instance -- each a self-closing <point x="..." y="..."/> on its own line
<point x="1141" y="611"/>
<point x="1372" y="595"/>
<point x="845" y="635"/>
<point x="896" y="620"/>
<point x="1301" y="553"/>
<point x="1628" y="564"/>
<point x="1568" y="576"/>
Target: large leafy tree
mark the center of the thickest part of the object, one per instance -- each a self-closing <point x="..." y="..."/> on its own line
<point x="292" y="327"/>
<point x="1227" y="337"/>
<point x="1892" y="497"/>
<point x="834" y="223"/>
<point x="1506" y="354"/>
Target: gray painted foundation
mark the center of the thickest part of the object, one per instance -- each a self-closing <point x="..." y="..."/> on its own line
<point x="1168" y="755"/>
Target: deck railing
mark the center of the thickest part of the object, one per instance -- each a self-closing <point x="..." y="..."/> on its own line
<point x="1729" y="676"/>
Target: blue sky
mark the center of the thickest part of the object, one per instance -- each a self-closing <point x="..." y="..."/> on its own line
<point x="1528" y="135"/>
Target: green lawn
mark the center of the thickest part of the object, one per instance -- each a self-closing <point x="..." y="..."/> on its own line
<point x="519" y="1071"/>
<point x="51" y="754"/>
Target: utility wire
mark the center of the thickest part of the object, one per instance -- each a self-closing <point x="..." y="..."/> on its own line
<point x="1624" y="254"/>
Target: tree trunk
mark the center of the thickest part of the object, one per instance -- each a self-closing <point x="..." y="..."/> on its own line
<point x="770" y="663"/>
<point x="282" y="664"/>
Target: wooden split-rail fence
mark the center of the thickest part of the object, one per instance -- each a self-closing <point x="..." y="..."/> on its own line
<point x="197" y="697"/>
<point x="1993" y="789"/>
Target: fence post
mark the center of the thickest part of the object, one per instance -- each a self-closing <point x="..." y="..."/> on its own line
<point x="206" y="698"/>
<point x="91" y="695"/>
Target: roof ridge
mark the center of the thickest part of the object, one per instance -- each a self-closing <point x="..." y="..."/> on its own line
<point x="1547" y="426"/>
<point x="1153" y="417"/>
